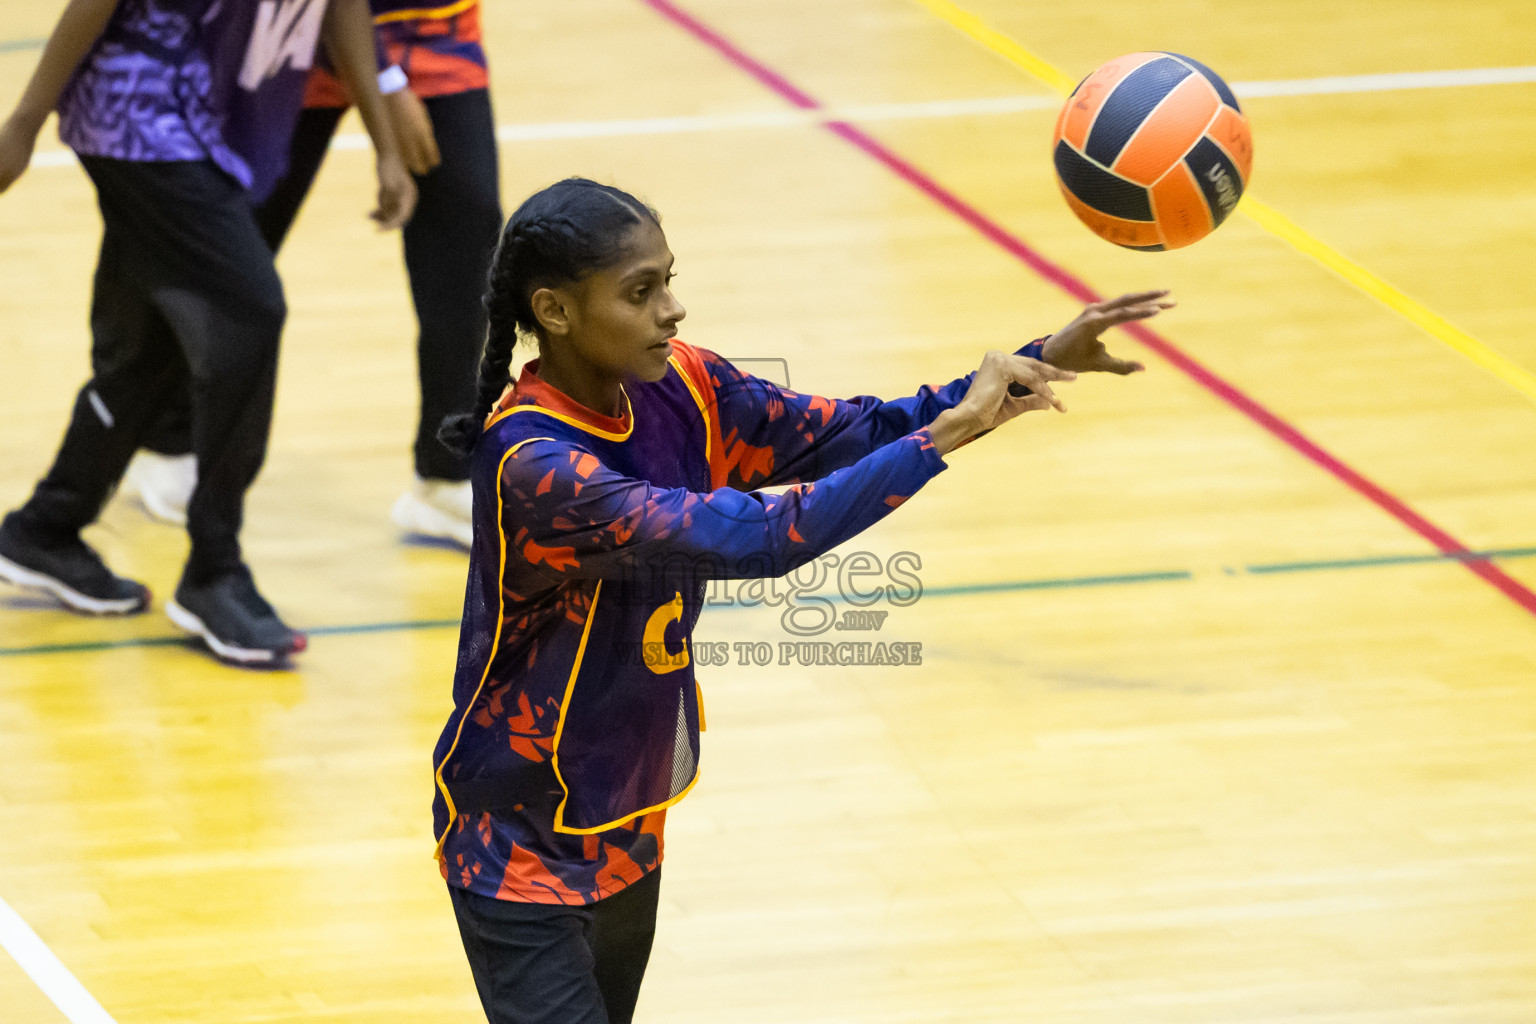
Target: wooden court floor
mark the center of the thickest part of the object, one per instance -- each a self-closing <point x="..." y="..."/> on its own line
<point x="1225" y="710"/>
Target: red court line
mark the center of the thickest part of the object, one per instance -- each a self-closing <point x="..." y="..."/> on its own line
<point x="1079" y="289"/>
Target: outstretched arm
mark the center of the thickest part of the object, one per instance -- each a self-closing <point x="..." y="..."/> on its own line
<point x="566" y="515"/>
<point x="79" y="27"/>
<point x="770" y="435"/>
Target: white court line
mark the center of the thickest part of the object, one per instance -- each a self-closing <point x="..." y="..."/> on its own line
<point x="556" y="130"/>
<point x="47" y="971"/>
<point x="1387" y="83"/>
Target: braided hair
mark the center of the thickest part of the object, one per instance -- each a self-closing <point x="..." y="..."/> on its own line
<point x="558" y="236"/>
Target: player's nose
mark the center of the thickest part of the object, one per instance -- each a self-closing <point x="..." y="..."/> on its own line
<point x="673" y="311"/>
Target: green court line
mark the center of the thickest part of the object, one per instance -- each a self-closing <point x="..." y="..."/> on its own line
<point x="185" y="641"/>
<point x="1068" y="583"/>
<point x="383" y="627"/>
<point x="98" y="645"/>
<point x="960" y="590"/>
<point x="18" y="45"/>
<point x="1387" y="560"/>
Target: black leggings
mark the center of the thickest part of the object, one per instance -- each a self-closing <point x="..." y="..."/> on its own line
<point x="539" y="963"/>
<point x="448" y="246"/>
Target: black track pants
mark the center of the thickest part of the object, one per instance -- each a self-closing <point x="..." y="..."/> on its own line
<point x="188" y="309"/>
<point x="538" y="963"/>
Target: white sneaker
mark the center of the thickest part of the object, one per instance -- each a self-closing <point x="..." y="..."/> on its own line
<point x="163" y="484"/>
<point x="437" y="508"/>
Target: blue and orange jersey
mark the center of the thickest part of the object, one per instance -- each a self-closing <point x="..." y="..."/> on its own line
<point x="576" y="713"/>
<point x="437" y="45"/>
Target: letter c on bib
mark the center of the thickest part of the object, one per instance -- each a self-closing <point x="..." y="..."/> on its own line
<point x="656" y="633"/>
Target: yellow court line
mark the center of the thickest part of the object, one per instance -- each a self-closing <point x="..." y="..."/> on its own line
<point x="1004" y="46"/>
<point x="1282" y="227"/>
<point x="1265" y="216"/>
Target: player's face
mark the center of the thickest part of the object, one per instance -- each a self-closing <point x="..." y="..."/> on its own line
<point x="624" y="317"/>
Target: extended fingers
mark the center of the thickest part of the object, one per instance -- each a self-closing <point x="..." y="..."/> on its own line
<point x="1136" y="298"/>
<point x="1113" y="317"/>
<point x="1124" y="367"/>
<point x="1139" y="312"/>
<point x="1043" y="370"/>
<point x="1037" y="376"/>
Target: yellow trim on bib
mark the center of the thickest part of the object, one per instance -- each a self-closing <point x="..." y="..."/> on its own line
<point x="565" y="703"/>
<point x="607" y="435"/>
<point x="426" y="13"/>
<point x="501" y="612"/>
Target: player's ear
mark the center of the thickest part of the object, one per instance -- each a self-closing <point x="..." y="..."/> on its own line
<point x="550" y="310"/>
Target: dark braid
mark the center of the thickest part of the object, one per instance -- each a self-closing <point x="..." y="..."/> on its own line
<point x="558" y="236"/>
<point x="460" y="431"/>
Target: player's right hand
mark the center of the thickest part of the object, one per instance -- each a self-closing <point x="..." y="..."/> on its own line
<point x="17" y="141"/>
<point x="1077" y="345"/>
<point x="397" y="193"/>
<point x="989" y="403"/>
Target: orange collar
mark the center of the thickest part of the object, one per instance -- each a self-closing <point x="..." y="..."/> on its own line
<point x="530" y="387"/>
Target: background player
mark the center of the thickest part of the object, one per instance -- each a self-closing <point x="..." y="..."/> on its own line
<point x="181" y="114"/>
<point x="436" y="87"/>
<point x="612" y="480"/>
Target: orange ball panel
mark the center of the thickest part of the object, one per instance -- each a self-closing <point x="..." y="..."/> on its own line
<point x="1179" y="206"/>
<point x="1083" y="104"/>
<point x="1061" y="122"/>
<point x="1113" y="229"/>
<point x="1170" y="131"/>
<point x="1231" y="133"/>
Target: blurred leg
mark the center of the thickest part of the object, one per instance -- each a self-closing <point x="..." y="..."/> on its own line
<point x="214" y="283"/>
<point x="311" y="140"/>
<point x="448" y="248"/>
<point x="135" y="366"/>
<point x="170" y="433"/>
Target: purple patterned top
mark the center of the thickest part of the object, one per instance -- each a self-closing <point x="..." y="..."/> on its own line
<point x="175" y="80"/>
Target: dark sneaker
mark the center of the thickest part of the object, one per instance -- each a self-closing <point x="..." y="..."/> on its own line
<point x="68" y="569"/>
<point x="234" y="620"/>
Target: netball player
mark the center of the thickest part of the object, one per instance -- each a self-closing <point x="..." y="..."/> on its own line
<point x="436" y="89"/>
<point x="180" y="111"/>
<point x="612" y="480"/>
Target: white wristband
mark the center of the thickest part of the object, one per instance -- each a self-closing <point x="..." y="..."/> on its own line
<point x="392" y="79"/>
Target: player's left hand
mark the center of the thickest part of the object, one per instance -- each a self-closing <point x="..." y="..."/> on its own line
<point x="17" y="139"/>
<point x="397" y="193"/>
<point x="1077" y="345"/>
<point x="413" y="131"/>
